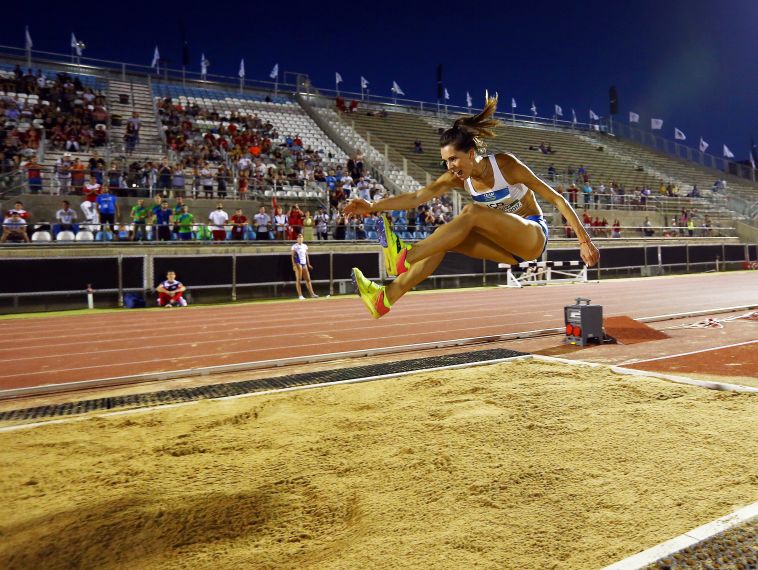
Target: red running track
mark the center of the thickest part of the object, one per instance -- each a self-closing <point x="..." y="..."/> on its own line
<point x="55" y="350"/>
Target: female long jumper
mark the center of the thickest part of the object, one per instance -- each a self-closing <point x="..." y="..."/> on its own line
<point x="504" y="224"/>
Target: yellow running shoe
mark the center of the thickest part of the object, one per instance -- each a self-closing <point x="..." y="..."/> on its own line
<point x="395" y="249"/>
<point x="371" y="294"/>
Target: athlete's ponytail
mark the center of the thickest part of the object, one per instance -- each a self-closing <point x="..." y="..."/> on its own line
<point x="468" y="132"/>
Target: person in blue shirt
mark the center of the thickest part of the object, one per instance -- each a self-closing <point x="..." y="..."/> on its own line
<point x="107" y="207"/>
<point x="162" y="222"/>
<point x="331" y="180"/>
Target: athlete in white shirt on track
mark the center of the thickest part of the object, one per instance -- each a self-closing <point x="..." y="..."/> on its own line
<point x="301" y="266"/>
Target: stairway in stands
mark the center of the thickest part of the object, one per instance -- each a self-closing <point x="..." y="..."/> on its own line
<point x="139" y="99"/>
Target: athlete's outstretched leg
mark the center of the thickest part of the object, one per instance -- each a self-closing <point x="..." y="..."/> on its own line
<point x="475" y="245"/>
<point x="509" y="232"/>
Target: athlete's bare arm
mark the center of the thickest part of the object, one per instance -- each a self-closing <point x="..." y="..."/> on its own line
<point x="405" y="201"/>
<point x="517" y="171"/>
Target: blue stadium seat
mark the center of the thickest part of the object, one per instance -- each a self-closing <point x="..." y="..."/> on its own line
<point x="373" y="236"/>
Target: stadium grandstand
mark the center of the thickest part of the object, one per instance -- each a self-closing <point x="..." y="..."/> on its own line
<point x="554" y="411"/>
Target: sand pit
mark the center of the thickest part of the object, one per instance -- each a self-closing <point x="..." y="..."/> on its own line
<point x="522" y="465"/>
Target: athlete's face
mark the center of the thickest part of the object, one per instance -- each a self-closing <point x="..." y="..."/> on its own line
<point x="458" y="162"/>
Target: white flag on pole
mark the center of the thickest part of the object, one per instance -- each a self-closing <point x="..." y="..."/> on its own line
<point x="74" y="43"/>
<point x="634" y="117"/>
<point x="752" y="159"/>
<point x="203" y="66"/>
<point x="573" y="116"/>
<point x="364" y="83"/>
<point x="28" y="38"/>
<point x="241" y="72"/>
<point x="337" y="77"/>
<point x="558" y="111"/>
<point x="656" y="124"/>
<point x="728" y="153"/>
<point x="396" y="89"/>
<point x="274" y="72"/>
<point x="156" y="57"/>
<point x="447" y="95"/>
<point x="703" y="145"/>
<point x="513" y="102"/>
<point x="593" y="116"/>
<point x="533" y="108"/>
<point x="679" y="135"/>
<point x="468" y="100"/>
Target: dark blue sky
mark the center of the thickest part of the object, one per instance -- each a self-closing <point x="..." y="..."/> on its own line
<point x="693" y="64"/>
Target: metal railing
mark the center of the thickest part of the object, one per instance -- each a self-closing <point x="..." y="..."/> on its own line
<point x="354" y="230"/>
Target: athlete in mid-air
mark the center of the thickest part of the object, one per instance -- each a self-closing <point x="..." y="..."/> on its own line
<point x="504" y="224"/>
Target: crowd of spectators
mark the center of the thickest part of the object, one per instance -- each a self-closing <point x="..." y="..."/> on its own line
<point x="72" y="116"/>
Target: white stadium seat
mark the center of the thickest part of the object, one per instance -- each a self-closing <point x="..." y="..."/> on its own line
<point x="85" y="235"/>
<point x="65" y="236"/>
<point x="42" y="236"/>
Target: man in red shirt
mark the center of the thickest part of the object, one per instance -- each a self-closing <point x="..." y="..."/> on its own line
<point x="92" y="190"/>
<point x="296" y="221"/>
<point x="239" y="224"/>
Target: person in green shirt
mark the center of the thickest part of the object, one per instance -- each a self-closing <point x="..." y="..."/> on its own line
<point x="139" y="219"/>
<point x="185" y="221"/>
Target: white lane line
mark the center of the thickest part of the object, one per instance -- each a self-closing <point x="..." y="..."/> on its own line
<point x="690" y="538"/>
<point x="635" y="361"/>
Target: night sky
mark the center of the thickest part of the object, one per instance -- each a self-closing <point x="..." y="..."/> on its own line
<point x="693" y="64"/>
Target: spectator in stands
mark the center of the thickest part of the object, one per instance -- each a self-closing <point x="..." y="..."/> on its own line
<point x="417" y="147"/>
<point x="322" y="224"/>
<point x="647" y="228"/>
<point x="164" y="178"/>
<point x="33" y="175"/>
<point x="171" y="292"/>
<point x="222" y="179"/>
<point x="280" y="225"/>
<point x="301" y="264"/>
<point x="239" y="225"/>
<point x="218" y="218"/>
<point x="308" y="225"/>
<point x="184" y="222"/>
<point x="587" y="193"/>
<point x="66" y="219"/>
<point x="162" y="222"/>
<point x="340" y="226"/>
<point x="139" y="217"/>
<point x="551" y="172"/>
<point x="178" y="181"/>
<point x="616" y="231"/>
<point x="131" y="136"/>
<point x="295" y="221"/>
<point x="107" y="208"/>
<point x="14" y="227"/>
<point x="206" y="181"/>
<point x="63" y="173"/>
<point x="78" y="173"/>
<point x="262" y="223"/>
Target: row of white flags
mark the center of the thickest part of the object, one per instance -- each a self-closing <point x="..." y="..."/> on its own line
<point x="655" y="124"/>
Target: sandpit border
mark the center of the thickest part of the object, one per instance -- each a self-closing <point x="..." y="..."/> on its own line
<point x="689" y="538"/>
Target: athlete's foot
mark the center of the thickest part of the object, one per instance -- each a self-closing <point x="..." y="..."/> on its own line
<point x="372" y="295"/>
<point x="395" y="249"/>
<point x="301" y="298"/>
<point x="314" y="296"/>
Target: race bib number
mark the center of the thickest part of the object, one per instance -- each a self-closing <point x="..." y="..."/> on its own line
<point x="507" y="208"/>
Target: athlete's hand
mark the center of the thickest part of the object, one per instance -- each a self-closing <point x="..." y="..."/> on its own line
<point x="358" y="206"/>
<point x="589" y="252"/>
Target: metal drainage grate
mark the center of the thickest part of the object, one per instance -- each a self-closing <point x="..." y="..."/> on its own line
<point x="251" y="386"/>
<point x="733" y="549"/>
